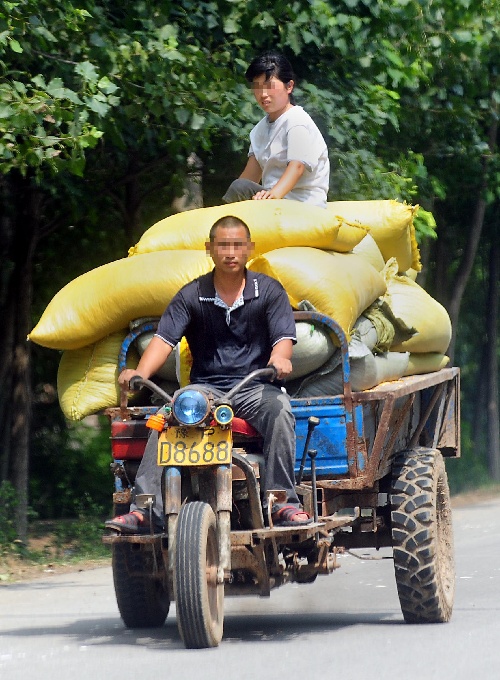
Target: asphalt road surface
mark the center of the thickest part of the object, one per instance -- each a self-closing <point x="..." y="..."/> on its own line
<point x="347" y="625"/>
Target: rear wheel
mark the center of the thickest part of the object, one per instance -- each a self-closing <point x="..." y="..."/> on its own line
<point x="198" y="595"/>
<point x="143" y="601"/>
<point x="422" y="536"/>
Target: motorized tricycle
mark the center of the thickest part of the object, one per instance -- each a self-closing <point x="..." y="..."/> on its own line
<point x="369" y="470"/>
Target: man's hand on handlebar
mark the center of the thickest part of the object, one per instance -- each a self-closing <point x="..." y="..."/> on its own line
<point x="125" y="377"/>
<point x="282" y="365"/>
<point x="281" y="358"/>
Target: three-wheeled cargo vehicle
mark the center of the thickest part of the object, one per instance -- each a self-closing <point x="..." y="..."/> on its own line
<point x="369" y="470"/>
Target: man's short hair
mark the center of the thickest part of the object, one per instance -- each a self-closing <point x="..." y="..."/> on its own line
<point x="228" y="221"/>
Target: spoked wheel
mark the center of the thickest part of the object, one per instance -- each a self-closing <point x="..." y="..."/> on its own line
<point x="143" y="601"/>
<point x="422" y="536"/>
<point x="199" y="597"/>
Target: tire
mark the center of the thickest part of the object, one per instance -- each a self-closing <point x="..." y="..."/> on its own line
<point x="143" y="601"/>
<point x="422" y="536"/>
<point x="199" y="598"/>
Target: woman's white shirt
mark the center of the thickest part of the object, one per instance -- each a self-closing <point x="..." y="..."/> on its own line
<point x="293" y="136"/>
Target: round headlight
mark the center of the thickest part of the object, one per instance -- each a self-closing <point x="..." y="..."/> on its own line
<point x="190" y="407"/>
<point x="223" y="414"/>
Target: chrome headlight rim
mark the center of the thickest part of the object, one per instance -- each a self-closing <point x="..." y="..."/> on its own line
<point x="190" y="414"/>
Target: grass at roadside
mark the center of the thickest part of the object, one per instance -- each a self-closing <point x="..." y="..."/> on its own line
<point x="57" y="545"/>
<point x="485" y="493"/>
<point x="54" y="547"/>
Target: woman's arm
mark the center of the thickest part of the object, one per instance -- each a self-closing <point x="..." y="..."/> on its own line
<point x="252" y="170"/>
<point x="292" y="174"/>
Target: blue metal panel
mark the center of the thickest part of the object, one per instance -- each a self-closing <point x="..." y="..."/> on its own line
<point x="329" y="437"/>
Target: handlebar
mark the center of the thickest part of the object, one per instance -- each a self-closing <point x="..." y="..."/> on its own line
<point x="258" y="373"/>
<point x="136" y="381"/>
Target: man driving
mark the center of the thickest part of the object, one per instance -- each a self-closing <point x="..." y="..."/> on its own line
<point x="235" y="321"/>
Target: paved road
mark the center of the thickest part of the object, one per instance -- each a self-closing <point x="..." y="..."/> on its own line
<point x="347" y="625"/>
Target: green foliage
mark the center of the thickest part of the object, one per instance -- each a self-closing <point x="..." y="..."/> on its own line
<point x="49" y="117"/>
<point x="8" y="505"/>
<point x="70" y="468"/>
<point x="448" y="117"/>
<point x="425" y="224"/>
<point x="82" y="537"/>
<point x="470" y="471"/>
<point x="67" y="540"/>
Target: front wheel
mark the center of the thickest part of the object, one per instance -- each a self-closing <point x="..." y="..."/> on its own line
<point x="199" y="596"/>
<point x="422" y="536"/>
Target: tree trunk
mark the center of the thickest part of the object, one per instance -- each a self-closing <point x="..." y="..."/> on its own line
<point x="192" y="196"/>
<point x="22" y="228"/>
<point x="467" y="261"/>
<point x="464" y="270"/>
<point x="480" y="405"/>
<point x="7" y="335"/>
<point x="132" y="202"/>
<point x="493" y="415"/>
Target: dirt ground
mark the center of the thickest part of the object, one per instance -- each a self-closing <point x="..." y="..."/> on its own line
<point x="478" y="496"/>
<point x="14" y="569"/>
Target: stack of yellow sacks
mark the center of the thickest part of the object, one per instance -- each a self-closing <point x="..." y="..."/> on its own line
<point x="340" y="260"/>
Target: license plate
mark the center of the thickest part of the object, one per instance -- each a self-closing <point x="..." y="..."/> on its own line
<point x="194" y="446"/>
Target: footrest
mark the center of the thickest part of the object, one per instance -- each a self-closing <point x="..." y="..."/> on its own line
<point x="110" y="539"/>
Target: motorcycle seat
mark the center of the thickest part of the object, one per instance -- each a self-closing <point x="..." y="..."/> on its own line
<point x="240" y="426"/>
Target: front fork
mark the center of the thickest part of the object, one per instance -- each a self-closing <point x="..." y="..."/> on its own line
<point x="172" y="506"/>
<point x="221" y="504"/>
<point x="224" y="504"/>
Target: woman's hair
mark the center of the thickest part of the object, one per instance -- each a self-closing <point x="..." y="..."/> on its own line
<point x="271" y="64"/>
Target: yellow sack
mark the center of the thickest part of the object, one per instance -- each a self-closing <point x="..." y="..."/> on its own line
<point x="368" y="249"/>
<point x="348" y="237"/>
<point x="106" y="299"/>
<point x="411" y="274"/>
<point x="184" y="360"/>
<point x="340" y="285"/>
<point x="87" y="377"/>
<point x="391" y="225"/>
<point x="428" y="362"/>
<point x="411" y="303"/>
<point x="273" y="224"/>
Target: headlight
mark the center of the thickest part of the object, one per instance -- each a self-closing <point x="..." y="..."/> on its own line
<point x="190" y="407"/>
<point x="223" y="414"/>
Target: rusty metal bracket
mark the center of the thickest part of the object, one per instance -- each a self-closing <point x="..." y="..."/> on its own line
<point x="423" y="420"/>
<point x="380" y="456"/>
<point x="122" y="497"/>
<point x="443" y="407"/>
<point x="253" y="491"/>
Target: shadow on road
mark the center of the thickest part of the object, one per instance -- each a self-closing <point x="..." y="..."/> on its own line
<point x="237" y="628"/>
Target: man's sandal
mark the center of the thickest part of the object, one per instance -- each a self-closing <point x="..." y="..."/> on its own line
<point x="284" y="517"/>
<point x="134" y="522"/>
